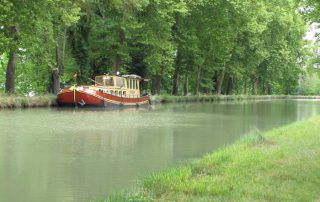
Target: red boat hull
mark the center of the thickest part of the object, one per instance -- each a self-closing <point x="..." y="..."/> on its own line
<point x="88" y="97"/>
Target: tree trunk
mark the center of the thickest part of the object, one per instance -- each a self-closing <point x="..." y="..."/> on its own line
<point x="230" y="86"/>
<point x="206" y="90"/>
<point x="11" y="70"/>
<point x="263" y="87"/>
<point x="196" y="90"/>
<point x="269" y="89"/>
<point x="156" y="83"/>
<point x="116" y="64"/>
<point x="12" y="63"/>
<point x="255" y="86"/>
<point x="64" y="46"/>
<point x="117" y="59"/>
<point x="175" y="84"/>
<point x="56" y="80"/>
<point x="186" y="85"/>
<point x="245" y="87"/>
<point x="56" y="71"/>
<point x="220" y="81"/>
<point x="215" y="81"/>
<point x="60" y="52"/>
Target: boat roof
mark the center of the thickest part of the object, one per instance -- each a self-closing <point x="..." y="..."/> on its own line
<point x="132" y="76"/>
<point x="128" y="76"/>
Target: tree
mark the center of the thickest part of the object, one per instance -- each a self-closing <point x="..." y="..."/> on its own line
<point x="20" y="29"/>
<point x="203" y="46"/>
<point x="64" y="14"/>
<point x="157" y="40"/>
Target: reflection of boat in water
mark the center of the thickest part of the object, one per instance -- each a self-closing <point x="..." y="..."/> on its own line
<point x="107" y="91"/>
<point x="112" y="108"/>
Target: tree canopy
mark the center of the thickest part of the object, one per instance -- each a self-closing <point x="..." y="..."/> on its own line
<point x="182" y="46"/>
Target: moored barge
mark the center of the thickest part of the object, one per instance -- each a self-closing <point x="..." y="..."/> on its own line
<point x="108" y="90"/>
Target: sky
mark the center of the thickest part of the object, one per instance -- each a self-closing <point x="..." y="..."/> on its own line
<point x="314" y="28"/>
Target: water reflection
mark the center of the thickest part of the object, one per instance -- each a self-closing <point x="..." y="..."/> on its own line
<point x="69" y="154"/>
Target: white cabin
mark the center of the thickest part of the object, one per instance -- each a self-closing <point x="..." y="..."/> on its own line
<point x="123" y="86"/>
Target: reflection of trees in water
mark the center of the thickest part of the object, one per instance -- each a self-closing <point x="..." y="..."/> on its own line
<point x="83" y="153"/>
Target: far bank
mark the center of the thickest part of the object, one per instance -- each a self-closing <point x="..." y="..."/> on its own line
<point x="50" y="100"/>
<point x="217" y="98"/>
<point x="18" y="101"/>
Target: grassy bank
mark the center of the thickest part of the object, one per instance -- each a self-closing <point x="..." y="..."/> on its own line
<point x="14" y="101"/>
<point x="280" y="165"/>
<point x="215" y="98"/>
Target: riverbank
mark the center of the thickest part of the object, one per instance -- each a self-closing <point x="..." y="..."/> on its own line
<point x="217" y="98"/>
<point x="279" y="165"/>
<point x="14" y="101"/>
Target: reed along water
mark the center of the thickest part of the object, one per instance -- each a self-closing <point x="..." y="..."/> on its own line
<point x="67" y="154"/>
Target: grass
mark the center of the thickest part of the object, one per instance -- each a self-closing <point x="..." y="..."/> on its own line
<point x="215" y="98"/>
<point x="15" y="101"/>
<point x="279" y="165"/>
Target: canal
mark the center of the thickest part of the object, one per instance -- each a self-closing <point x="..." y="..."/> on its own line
<point x="85" y="154"/>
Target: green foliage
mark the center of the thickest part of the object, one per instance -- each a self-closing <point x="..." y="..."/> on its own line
<point x="310" y="84"/>
<point x="311" y="9"/>
<point x="39" y="25"/>
<point x="234" y="43"/>
<point x="155" y="36"/>
<point x="3" y="62"/>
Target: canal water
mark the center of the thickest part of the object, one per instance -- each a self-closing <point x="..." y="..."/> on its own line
<point x="86" y="154"/>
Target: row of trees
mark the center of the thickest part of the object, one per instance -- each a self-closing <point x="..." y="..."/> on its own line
<point x="182" y="46"/>
<point x="309" y="83"/>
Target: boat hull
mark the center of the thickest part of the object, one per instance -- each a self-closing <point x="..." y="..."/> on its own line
<point x="88" y="97"/>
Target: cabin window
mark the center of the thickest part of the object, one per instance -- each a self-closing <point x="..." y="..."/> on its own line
<point x="109" y="81"/>
<point x="111" y="92"/>
<point x="116" y="92"/>
<point x="134" y="84"/>
<point x="99" y="80"/>
<point x="120" y="82"/>
<point x="124" y="93"/>
<point x="130" y="84"/>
